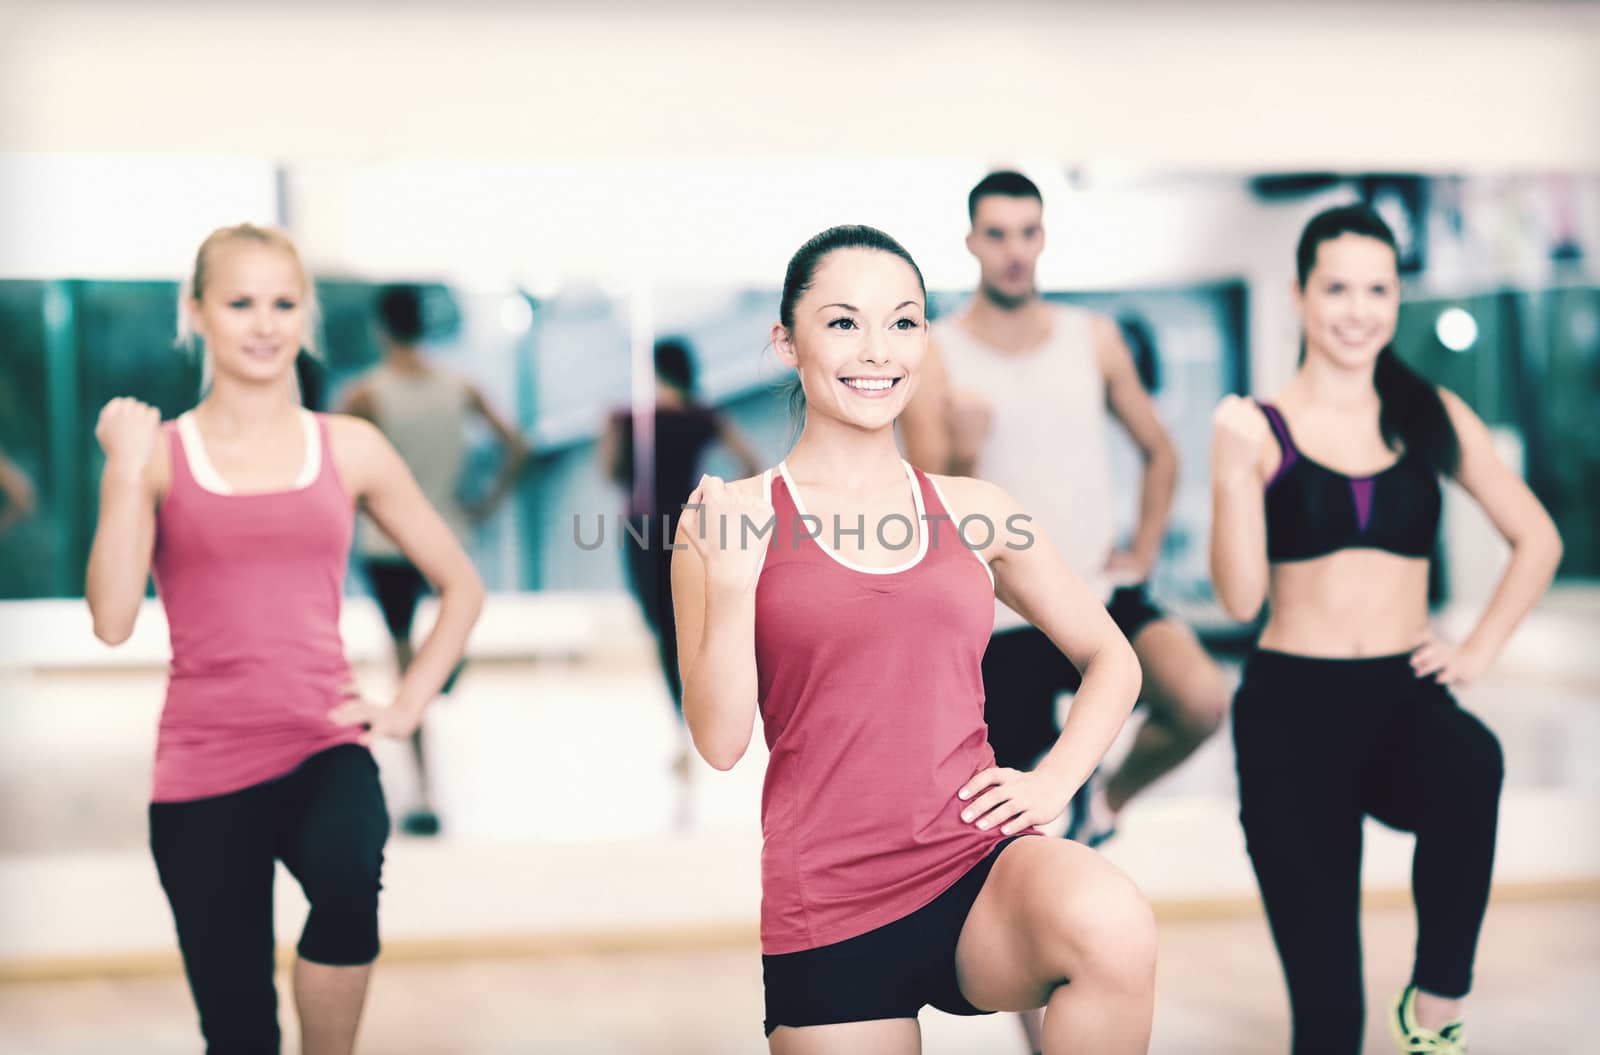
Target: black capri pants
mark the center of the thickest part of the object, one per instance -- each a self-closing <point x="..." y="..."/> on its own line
<point x="328" y="823"/>
<point x="1321" y="744"/>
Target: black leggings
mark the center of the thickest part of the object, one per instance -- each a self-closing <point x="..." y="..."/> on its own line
<point x="1321" y="743"/>
<point x="650" y="579"/>
<point x="327" y="822"/>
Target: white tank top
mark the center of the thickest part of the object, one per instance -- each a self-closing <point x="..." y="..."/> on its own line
<point x="1047" y="436"/>
<point x="424" y="416"/>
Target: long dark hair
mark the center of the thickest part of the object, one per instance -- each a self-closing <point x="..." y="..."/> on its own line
<point x="1411" y="415"/>
<point x="803" y="268"/>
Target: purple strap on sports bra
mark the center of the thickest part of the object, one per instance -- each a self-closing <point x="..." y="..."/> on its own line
<point x="1280" y="429"/>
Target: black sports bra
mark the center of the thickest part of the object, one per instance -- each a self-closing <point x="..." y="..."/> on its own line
<point x="1313" y="511"/>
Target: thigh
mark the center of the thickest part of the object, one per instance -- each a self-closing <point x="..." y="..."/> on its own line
<point x="335" y="825"/>
<point x="1439" y="765"/>
<point x="1299" y="805"/>
<point x="870" y="978"/>
<point x="893" y="1036"/>
<point x="1023" y="673"/>
<point x="215" y="861"/>
<point x="1181" y="682"/>
<point x="1048" y="909"/>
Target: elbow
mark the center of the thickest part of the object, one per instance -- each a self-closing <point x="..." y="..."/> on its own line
<point x="1242" y="606"/>
<point x="722" y="758"/>
<point x="468" y="591"/>
<point x="113" y="624"/>
<point x="1135" y="678"/>
<point x="1163" y="458"/>
<point x="111" y="632"/>
<point x="1542" y="546"/>
<point x="721" y="753"/>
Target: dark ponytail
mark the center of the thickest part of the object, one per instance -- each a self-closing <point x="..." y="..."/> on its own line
<point x="1411" y="415"/>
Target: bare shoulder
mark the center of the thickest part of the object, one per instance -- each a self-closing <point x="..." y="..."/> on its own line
<point x="354" y="434"/>
<point x="1103" y="326"/>
<point x="1473" y="438"/>
<point x="749" y="486"/>
<point x="1456" y="407"/>
<point x="968" y="495"/>
<point x="362" y="455"/>
<point x="1110" y="350"/>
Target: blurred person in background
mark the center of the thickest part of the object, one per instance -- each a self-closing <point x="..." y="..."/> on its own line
<point x="899" y="863"/>
<point x="243" y="509"/>
<point x="682" y="430"/>
<point x="1326" y="505"/>
<point x="424" y="412"/>
<point x="1017" y="392"/>
<point x="16" y="492"/>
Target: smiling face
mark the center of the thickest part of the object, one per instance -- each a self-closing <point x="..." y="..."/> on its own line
<point x="1007" y="237"/>
<point x="251" y="311"/>
<point x="1350" y="301"/>
<point x="859" y="335"/>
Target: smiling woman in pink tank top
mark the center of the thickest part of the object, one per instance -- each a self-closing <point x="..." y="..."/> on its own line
<point x="243" y="510"/>
<point x="847" y="598"/>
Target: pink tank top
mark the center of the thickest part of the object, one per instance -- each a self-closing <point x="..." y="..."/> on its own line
<point x="871" y="696"/>
<point x="252" y="586"/>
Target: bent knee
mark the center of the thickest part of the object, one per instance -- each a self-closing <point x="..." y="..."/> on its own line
<point x="1476" y="759"/>
<point x="1488" y="759"/>
<point x="1200" y="712"/>
<point x="1109" y="935"/>
<point x="341" y="936"/>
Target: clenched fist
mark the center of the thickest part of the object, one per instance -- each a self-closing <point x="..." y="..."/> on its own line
<point x="1238" y="431"/>
<point x="733" y="552"/>
<point x="127" y="432"/>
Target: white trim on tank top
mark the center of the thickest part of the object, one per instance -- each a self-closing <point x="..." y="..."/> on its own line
<point x="207" y="477"/>
<point x="921" y="525"/>
<point x="955" y="522"/>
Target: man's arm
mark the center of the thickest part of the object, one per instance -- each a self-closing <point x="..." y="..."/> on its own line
<point x="924" y="429"/>
<point x="1133" y="407"/>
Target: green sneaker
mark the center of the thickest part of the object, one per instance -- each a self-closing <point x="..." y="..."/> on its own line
<point x="1413" y="1038"/>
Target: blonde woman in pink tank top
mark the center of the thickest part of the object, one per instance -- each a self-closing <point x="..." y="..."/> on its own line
<point x="847" y="598"/>
<point x="243" y="510"/>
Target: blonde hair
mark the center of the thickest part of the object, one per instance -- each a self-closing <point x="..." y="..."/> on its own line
<point x="194" y="287"/>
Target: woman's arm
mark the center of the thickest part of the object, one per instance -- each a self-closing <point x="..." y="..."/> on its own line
<point x="714" y="602"/>
<point x="124" y="535"/>
<point x="1522" y="522"/>
<point x="511" y="441"/>
<point x="924" y="423"/>
<point x="1031" y="578"/>
<point x="611" y="455"/>
<point x="377" y="477"/>
<point x="1132" y="406"/>
<point x="18" y="492"/>
<point x="1239" y="443"/>
<point x="739" y="445"/>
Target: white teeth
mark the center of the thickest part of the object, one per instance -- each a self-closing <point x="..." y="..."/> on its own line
<point x="870" y="384"/>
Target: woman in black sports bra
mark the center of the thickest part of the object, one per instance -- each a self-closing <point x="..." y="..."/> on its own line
<point x="1326" y="502"/>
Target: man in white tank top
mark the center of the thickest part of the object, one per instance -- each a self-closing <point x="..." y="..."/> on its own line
<point x="423" y="411"/>
<point x="1018" y="391"/>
